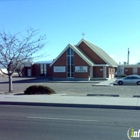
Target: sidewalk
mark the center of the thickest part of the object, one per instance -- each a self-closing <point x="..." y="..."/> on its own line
<point x="60" y="100"/>
<point x="106" y="82"/>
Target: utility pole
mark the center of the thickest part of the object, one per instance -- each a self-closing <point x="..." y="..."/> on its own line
<point x="128" y="56"/>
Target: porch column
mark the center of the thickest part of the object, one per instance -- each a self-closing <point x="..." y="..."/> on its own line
<point x="104" y="72"/>
<point x="91" y="72"/>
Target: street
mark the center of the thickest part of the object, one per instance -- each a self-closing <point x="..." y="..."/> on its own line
<point x="55" y="123"/>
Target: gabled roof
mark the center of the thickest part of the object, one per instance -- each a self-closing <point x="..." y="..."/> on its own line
<point x="102" y="54"/>
<point x="77" y="51"/>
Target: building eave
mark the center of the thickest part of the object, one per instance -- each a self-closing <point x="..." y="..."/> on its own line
<point x="83" y="40"/>
<point x="77" y="51"/>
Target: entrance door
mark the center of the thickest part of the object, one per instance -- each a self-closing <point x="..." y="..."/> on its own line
<point x="29" y="72"/>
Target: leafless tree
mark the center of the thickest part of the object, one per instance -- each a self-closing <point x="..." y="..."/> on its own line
<point x="20" y="69"/>
<point x="18" y="48"/>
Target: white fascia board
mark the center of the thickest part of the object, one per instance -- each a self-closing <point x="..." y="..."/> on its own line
<point x="81" y="55"/>
<point x="77" y="51"/>
<point x="60" y="54"/>
<point x="100" y="65"/>
<point x="80" y="42"/>
<point x="97" y="53"/>
<point x="114" y="66"/>
<point x="138" y="66"/>
<point x="92" y="49"/>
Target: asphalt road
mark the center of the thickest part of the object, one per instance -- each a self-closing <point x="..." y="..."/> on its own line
<point x="55" y="123"/>
<point x="74" y="89"/>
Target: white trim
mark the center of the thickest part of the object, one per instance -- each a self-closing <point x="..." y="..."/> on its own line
<point x="82" y="55"/>
<point x="75" y="50"/>
<point x="98" y="65"/>
<point x="132" y="65"/>
<point x="91" y="72"/>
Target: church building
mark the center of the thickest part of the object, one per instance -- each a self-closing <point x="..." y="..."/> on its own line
<point x="83" y="61"/>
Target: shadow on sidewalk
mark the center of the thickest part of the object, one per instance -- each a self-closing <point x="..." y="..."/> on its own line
<point x="28" y="80"/>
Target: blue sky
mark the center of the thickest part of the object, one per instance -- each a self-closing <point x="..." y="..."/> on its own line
<point x="113" y="25"/>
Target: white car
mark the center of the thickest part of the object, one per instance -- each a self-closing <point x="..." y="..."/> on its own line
<point x="131" y="79"/>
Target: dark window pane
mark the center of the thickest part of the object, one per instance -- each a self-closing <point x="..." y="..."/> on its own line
<point x="72" y="52"/>
<point x="68" y="74"/>
<point x="68" y="51"/>
<point x="72" y="68"/>
<point x="68" y="60"/>
<point x="68" y="68"/>
<point x="72" y="60"/>
<point x="72" y="74"/>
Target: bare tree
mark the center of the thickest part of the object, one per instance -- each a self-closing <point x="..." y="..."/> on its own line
<point x="16" y="49"/>
<point x="20" y="67"/>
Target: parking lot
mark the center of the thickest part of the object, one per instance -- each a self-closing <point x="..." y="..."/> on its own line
<point x="70" y="88"/>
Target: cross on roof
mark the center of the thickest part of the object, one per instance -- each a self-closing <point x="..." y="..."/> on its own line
<point x="83" y="34"/>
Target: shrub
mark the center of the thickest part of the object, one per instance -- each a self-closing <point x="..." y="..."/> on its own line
<point x="38" y="89"/>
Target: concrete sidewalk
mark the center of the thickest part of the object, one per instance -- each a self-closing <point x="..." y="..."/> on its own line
<point x="109" y="82"/>
<point x="60" y="100"/>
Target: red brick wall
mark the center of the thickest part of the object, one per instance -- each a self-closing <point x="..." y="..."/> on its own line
<point x="128" y="71"/>
<point x="49" y="70"/>
<point x="60" y="62"/>
<point x="91" y="54"/>
<point x="36" y="70"/>
<point x="78" y="61"/>
<point x="97" y="73"/>
<point x="59" y="75"/>
<point x="24" y="73"/>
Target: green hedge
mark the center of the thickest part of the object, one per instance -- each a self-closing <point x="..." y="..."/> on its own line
<point x="38" y="89"/>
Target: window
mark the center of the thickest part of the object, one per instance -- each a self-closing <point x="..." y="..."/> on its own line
<point x="70" y="63"/>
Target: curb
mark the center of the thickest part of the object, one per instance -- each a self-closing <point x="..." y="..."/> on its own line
<point x="104" y="95"/>
<point x="107" y="85"/>
<point x="71" y="105"/>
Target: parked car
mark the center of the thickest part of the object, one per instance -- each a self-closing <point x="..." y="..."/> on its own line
<point x="131" y="79"/>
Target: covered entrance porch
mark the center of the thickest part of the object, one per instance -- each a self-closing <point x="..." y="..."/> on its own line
<point x="102" y="72"/>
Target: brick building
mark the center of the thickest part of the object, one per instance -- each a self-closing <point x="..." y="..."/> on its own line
<point x="128" y="69"/>
<point x="81" y="62"/>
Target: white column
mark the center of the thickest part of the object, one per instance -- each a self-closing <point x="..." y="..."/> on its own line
<point x="91" y="72"/>
<point x="104" y="72"/>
